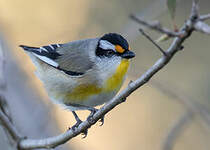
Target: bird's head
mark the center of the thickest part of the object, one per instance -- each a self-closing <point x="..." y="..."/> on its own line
<point x="113" y="44"/>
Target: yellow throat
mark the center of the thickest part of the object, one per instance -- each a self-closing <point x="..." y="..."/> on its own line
<point x="113" y="83"/>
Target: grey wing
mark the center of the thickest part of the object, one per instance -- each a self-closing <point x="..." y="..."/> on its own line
<point x="74" y="58"/>
<point x="77" y="56"/>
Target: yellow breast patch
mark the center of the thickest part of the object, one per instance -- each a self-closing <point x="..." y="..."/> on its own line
<point x="115" y="81"/>
<point x="82" y="92"/>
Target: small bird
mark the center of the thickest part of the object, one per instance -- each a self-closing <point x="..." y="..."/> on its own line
<point x="82" y="74"/>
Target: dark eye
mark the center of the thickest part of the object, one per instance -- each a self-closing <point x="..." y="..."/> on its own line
<point x="104" y="52"/>
<point x="109" y="53"/>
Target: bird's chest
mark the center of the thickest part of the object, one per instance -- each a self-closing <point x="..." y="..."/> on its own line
<point x="111" y="81"/>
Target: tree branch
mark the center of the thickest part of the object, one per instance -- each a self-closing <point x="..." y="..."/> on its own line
<point x="194" y="11"/>
<point x="151" y="40"/>
<point x="202" y="27"/>
<point x="204" y="17"/>
<point x="156" y="27"/>
<point x="199" y="25"/>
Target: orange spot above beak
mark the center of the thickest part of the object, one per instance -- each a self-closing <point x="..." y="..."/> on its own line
<point x="119" y="49"/>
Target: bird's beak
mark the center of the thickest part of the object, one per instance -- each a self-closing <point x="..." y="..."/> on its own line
<point x="128" y="54"/>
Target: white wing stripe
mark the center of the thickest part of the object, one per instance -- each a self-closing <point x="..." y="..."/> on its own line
<point x="42" y="48"/>
<point x="51" y="47"/>
<point x="47" y="60"/>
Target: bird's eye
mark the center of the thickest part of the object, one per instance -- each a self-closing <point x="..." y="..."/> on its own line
<point x="109" y="53"/>
<point x="105" y="52"/>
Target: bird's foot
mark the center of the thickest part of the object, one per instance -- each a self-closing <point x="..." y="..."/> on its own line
<point x="90" y="117"/>
<point x="85" y="132"/>
<point x="76" y="125"/>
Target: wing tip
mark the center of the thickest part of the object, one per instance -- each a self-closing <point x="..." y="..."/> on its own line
<point x="28" y="48"/>
<point x="23" y="46"/>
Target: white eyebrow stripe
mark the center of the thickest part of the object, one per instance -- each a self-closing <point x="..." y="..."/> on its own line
<point x="104" y="44"/>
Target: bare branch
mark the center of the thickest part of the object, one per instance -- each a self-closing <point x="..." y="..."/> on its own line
<point x="204" y="17"/>
<point x="150" y="39"/>
<point x="202" y="27"/>
<point x="194" y="10"/>
<point x="156" y="27"/>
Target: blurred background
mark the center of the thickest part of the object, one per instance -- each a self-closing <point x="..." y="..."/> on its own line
<point x="150" y="113"/>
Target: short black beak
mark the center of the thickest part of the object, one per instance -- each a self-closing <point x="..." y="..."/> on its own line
<point x="128" y="54"/>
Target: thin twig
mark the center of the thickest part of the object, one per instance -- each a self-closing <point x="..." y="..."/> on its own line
<point x="194" y="10"/>
<point x="204" y="17"/>
<point x="202" y="27"/>
<point x="155" y="27"/>
<point x="151" y="40"/>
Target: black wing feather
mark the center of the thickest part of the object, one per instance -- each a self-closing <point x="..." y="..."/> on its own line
<point x="46" y="51"/>
<point x="50" y="52"/>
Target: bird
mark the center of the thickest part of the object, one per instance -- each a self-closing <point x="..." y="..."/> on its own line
<point x="82" y="74"/>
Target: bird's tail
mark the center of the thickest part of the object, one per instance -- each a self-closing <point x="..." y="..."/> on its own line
<point x="29" y="49"/>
